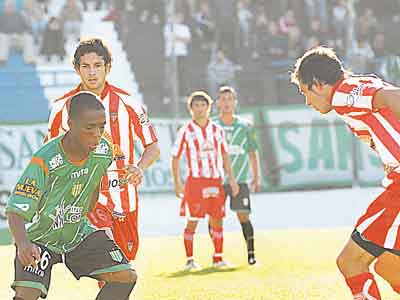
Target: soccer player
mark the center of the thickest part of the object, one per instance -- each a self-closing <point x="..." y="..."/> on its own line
<point x="117" y="206"/>
<point x="242" y="148"/>
<point x="56" y="190"/>
<point x="204" y="144"/>
<point x="371" y="109"/>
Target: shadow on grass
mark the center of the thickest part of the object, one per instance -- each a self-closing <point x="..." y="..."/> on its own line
<point x="204" y="271"/>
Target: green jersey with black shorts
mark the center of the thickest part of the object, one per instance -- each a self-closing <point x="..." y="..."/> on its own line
<point x="53" y="195"/>
<point x="241" y="139"/>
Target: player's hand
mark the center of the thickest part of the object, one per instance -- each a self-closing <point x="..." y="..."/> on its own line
<point x="255" y="185"/>
<point x="28" y="254"/>
<point x="134" y="174"/>
<point x="179" y="190"/>
<point x="234" y="187"/>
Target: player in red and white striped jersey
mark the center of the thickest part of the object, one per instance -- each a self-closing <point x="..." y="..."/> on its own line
<point x="117" y="206"/>
<point x="204" y="145"/>
<point x="371" y="109"/>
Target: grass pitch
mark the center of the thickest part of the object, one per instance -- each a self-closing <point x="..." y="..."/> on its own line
<point x="295" y="265"/>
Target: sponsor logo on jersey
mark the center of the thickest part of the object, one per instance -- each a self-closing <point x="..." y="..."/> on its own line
<point x="56" y="161"/>
<point x="69" y="214"/>
<point x="355" y="95"/>
<point x="76" y="189"/>
<point x="28" y="189"/>
<point x="143" y="119"/>
<point x="101" y="148"/>
<point x="79" y="173"/>
<point x="23" y="207"/>
<point x="116" y="255"/>
<point x="235" y="150"/>
<point x="114" y="116"/>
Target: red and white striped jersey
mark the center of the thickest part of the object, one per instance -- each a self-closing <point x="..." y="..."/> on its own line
<point x="204" y="147"/>
<point x="126" y="120"/>
<point x="352" y="99"/>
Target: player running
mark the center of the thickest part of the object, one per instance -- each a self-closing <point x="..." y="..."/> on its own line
<point x="54" y="193"/>
<point x="242" y="149"/>
<point x="371" y="109"/>
<point x="204" y="144"/>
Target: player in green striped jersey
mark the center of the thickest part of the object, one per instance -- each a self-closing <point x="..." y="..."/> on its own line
<point x="47" y="210"/>
<point x="242" y="147"/>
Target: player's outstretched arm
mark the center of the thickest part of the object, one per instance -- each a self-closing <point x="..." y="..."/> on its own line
<point x="150" y="154"/>
<point x="28" y="253"/>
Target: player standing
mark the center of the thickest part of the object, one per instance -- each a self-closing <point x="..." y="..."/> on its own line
<point x="56" y="190"/>
<point x="204" y="144"/>
<point x="371" y="109"/>
<point x="242" y="148"/>
<point x="117" y="205"/>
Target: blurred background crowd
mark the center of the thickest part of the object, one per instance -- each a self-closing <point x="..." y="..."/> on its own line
<point x="176" y="46"/>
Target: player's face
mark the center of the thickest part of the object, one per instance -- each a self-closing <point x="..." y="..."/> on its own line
<point x="88" y="129"/>
<point x="316" y="97"/>
<point x="226" y="103"/>
<point x="200" y="110"/>
<point x="93" y="71"/>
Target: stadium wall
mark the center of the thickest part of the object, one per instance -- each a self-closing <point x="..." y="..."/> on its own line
<point x="299" y="148"/>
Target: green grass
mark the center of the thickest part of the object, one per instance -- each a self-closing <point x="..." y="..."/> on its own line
<point x="295" y="265"/>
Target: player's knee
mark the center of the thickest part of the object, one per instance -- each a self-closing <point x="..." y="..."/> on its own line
<point x="26" y="293"/>
<point x="341" y="263"/>
<point x="243" y="217"/>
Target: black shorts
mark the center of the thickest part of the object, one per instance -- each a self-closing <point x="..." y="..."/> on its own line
<point x="369" y="246"/>
<point x="97" y="254"/>
<point x="240" y="203"/>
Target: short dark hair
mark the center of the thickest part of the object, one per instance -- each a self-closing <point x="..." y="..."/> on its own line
<point x="319" y="63"/>
<point x="199" y="96"/>
<point x="94" y="45"/>
<point x="227" y="89"/>
<point x="83" y="101"/>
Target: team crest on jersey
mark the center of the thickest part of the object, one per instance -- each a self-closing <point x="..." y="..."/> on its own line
<point x="56" y="161"/>
<point x="101" y="148"/>
<point x="355" y="95"/>
<point x="117" y="152"/>
<point x="76" y="189"/>
<point x="130" y="246"/>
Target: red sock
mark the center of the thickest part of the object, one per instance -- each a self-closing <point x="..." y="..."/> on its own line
<point x="363" y="286"/>
<point x="218" y="240"/>
<point x="188" y="241"/>
<point x="101" y="283"/>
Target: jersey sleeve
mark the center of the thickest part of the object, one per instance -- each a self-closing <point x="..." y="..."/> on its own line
<point x="252" y="144"/>
<point x="27" y="193"/>
<point x="357" y="95"/>
<point x="58" y="116"/>
<point x="141" y="124"/>
<point x="180" y="143"/>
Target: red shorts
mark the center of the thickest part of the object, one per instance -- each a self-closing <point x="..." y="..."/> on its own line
<point x="204" y="196"/>
<point x="124" y="229"/>
<point x="380" y="224"/>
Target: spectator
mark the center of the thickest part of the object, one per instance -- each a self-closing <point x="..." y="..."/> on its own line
<point x="360" y="56"/>
<point x="53" y="40"/>
<point x="287" y="21"/>
<point x="34" y="15"/>
<point x="340" y="22"/>
<point x="367" y="24"/>
<point x="220" y="71"/>
<point x="380" y="52"/>
<point x="260" y="36"/>
<point x="177" y="38"/>
<point x="15" y="32"/>
<point x="245" y="17"/>
<point x="295" y="42"/>
<point x="204" y="26"/>
<point x="71" y="16"/>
